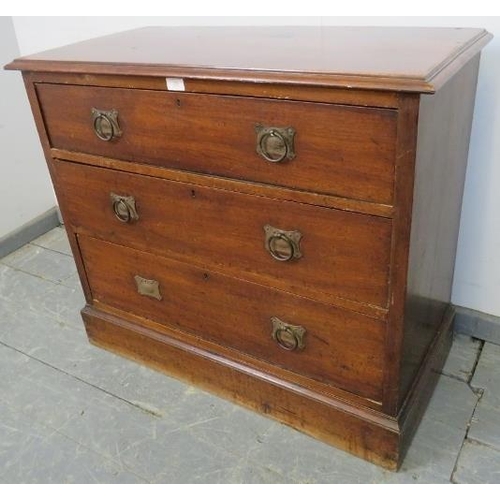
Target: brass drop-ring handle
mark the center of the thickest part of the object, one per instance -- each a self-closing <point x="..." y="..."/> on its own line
<point x="105" y="124"/>
<point x="282" y="245"/>
<point x="267" y="154"/>
<point x="124" y="208"/>
<point x="287" y="336"/>
<point x="275" y="144"/>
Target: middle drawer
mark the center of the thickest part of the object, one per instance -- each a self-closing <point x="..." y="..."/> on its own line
<point x="292" y="246"/>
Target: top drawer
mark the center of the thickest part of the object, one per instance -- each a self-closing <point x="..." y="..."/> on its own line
<point x="342" y="150"/>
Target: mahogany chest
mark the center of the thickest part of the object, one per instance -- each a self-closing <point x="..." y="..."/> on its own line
<point x="269" y="213"/>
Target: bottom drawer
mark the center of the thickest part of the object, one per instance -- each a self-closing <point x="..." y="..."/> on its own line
<point x="327" y="344"/>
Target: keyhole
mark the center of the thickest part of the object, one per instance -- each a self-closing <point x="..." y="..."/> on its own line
<point x="193" y="193"/>
<point x="206" y="276"/>
<point x="178" y="101"/>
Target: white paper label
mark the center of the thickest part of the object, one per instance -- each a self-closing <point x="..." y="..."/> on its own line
<point x="176" y="84"/>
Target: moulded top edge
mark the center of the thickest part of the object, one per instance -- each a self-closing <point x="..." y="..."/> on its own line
<point x="396" y="59"/>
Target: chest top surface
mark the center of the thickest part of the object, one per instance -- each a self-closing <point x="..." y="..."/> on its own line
<point x="395" y="58"/>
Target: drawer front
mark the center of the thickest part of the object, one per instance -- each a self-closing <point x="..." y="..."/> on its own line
<point x="339" y="254"/>
<point x="341" y="150"/>
<point x="330" y="345"/>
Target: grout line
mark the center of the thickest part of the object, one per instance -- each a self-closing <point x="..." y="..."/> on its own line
<point x="83" y="445"/>
<point x="476" y="362"/>
<point x="476" y="441"/>
<point x="473" y="369"/>
<point x="60" y="433"/>
<point x="479" y="395"/>
<point x="54" y="282"/>
<point x="50" y="249"/>
<point x="139" y="407"/>
<point x="454" y="377"/>
<point x="249" y="460"/>
<point x="34" y="275"/>
<point x="463" y="441"/>
<point x="229" y="452"/>
<point x="62" y="283"/>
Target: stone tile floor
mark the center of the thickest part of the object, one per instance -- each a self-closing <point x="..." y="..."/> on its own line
<point x="72" y="413"/>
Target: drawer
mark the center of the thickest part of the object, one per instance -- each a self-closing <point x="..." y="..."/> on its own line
<point x="339" y="254"/>
<point x="342" y="150"/>
<point x="330" y="345"/>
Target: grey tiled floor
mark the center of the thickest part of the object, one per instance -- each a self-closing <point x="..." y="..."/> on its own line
<point x="72" y="413"/>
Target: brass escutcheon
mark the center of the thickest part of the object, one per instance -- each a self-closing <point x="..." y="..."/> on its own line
<point x="149" y="288"/>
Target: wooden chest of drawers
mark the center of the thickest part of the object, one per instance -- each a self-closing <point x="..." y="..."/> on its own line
<point x="269" y="213"/>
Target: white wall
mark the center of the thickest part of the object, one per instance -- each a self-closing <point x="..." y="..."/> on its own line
<point x="477" y="273"/>
<point x="25" y="189"/>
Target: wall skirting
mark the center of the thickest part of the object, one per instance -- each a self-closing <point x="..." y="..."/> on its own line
<point x="477" y="324"/>
<point x="29" y="231"/>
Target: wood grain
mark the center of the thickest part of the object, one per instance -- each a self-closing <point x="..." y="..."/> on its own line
<point x="341" y="150"/>
<point x="345" y="256"/>
<point x="241" y="186"/>
<point x="42" y="134"/>
<point x="344" y="400"/>
<point x="369" y="436"/>
<point x="238" y="314"/>
<point x="445" y="121"/>
<point x="370" y="98"/>
<point x="403" y="193"/>
<point x="395" y="58"/>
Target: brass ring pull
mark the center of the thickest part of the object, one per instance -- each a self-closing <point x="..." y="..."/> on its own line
<point x="124" y="208"/>
<point x="282" y="245"/>
<point x="103" y="127"/>
<point x="105" y="124"/>
<point x="287" y="336"/>
<point x="268" y="155"/>
<point x="275" y="144"/>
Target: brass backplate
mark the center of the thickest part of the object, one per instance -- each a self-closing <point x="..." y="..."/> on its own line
<point x="124" y="207"/>
<point x="282" y="245"/>
<point x="148" y="287"/>
<point x="275" y="144"/>
<point x="289" y="337"/>
<point x="105" y="123"/>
